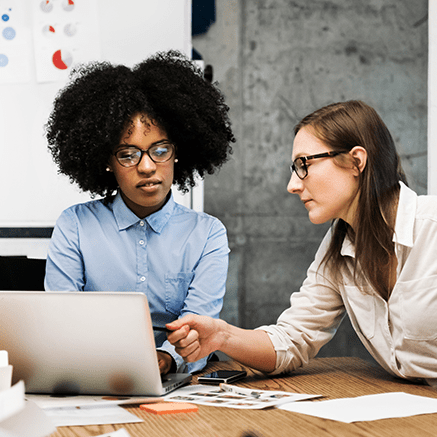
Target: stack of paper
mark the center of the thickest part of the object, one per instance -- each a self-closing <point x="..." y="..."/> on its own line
<point x="19" y="418"/>
<point x="22" y="416"/>
<point x="5" y="371"/>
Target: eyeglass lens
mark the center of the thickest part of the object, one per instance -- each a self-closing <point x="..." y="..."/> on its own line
<point x="131" y="156"/>
<point x="299" y="167"/>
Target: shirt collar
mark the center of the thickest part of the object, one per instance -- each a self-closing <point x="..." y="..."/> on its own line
<point x="405" y="217"/>
<point x="160" y="218"/>
<point x="126" y="218"/>
<point x="347" y="248"/>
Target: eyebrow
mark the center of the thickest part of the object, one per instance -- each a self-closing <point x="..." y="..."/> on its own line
<point x="300" y="155"/>
<point x="157" y="143"/>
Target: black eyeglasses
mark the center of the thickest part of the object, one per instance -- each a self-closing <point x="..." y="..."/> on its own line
<point x="299" y="165"/>
<point x="130" y="156"/>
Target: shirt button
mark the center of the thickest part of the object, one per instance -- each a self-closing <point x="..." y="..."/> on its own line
<point x="142" y="279"/>
<point x="141" y="242"/>
<point x="141" y="223"/>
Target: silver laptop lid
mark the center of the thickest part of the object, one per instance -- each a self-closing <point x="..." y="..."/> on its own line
<point x="79" y="342"/>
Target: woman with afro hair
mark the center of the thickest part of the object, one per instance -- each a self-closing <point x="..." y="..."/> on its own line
<point x="127" y="135"/>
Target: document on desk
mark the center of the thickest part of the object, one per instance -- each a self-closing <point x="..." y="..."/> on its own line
<point x="90" y="415"/>
<point x="119" y="433"/>
<point x="49" y="401"/>
<point x="88" y="410"/>
<point x="11" y="401"/>
<point x="231" y="396"/>
<point x="366" y="408"/>
<point x="19" y="418"/>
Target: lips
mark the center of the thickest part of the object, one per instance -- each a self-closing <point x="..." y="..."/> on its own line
<point x="148" y="184"/>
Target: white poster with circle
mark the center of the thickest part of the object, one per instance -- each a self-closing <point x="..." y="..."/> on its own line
<point x="15" y="43"/>
<point x="65" y="32"/>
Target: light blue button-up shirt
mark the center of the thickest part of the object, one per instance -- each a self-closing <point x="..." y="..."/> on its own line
<point x="177" y="257"/>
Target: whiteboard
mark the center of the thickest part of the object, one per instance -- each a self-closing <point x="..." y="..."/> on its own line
<point x="32" y="194"/>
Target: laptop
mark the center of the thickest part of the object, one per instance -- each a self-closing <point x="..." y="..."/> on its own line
<point x="93" y="343"/>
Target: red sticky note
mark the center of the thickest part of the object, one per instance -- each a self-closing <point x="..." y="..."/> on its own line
<point x="169" y="407"/>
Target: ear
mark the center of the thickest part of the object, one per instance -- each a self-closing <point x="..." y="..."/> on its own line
<point x="359" y="155"/>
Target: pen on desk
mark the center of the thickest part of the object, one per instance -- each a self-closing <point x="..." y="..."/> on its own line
<point x="160" y="328"/>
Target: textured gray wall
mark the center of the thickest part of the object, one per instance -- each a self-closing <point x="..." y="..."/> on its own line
<point x="276" y="61"/>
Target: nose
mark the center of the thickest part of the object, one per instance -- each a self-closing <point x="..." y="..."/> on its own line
<point x="294" y="184"/>
<point x="146" y="165"/>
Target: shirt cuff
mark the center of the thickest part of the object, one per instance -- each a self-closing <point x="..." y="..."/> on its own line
<point x="286" y="361"/>
<point x="178" y="365"/>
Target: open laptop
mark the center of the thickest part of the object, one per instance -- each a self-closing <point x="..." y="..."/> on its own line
<point x="95" y="343"/>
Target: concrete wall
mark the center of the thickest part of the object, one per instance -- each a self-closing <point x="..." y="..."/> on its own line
<point x="276" y="61"/>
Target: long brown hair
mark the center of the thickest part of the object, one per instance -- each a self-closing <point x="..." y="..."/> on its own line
<point x="342" y="126"/>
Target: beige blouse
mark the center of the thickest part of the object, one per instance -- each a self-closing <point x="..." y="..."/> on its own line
<point x="401" y="333"/>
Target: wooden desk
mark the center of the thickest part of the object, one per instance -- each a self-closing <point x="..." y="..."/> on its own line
<point x="332" y="377"/>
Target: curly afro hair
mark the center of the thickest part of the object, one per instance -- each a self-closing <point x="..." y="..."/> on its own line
<point x="92" y="111"/>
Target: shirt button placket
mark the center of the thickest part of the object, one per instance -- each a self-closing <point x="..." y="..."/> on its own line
<point x="142" y="257"/>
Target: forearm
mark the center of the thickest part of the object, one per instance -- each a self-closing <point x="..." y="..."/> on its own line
<point x="249" y="347"/>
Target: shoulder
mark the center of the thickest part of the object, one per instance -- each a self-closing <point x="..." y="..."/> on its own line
<point x="199" y="217"/>
<point x="426" y="207"/>
<point x="81" y="211"/>
<point x="199" y="226"/>
<point x="411" y="204"/>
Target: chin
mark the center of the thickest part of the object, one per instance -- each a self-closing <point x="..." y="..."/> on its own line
<point x="317" y="220"/>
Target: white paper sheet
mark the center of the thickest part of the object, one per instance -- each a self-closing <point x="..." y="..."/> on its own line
<point x="90" y="415"/>
<point x="11" y="401"/>
<point x="366" y="408"/>
<point x="48" y="401"/>
<point x="65" y="32"/>
<point x="213" y="396"/>
<point x="29" y="422"/>
<point x="4" y="359"/>
<point x="15" y="42"/>
<point x="119" y="433"/>
<point x="5" y="372"/>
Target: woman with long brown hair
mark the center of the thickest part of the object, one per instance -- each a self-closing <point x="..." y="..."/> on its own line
<point x="378" y="261"/>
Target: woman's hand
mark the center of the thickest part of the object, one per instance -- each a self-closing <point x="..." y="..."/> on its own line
<point x="165" y="362"/>
<point x="195" y="337"/>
